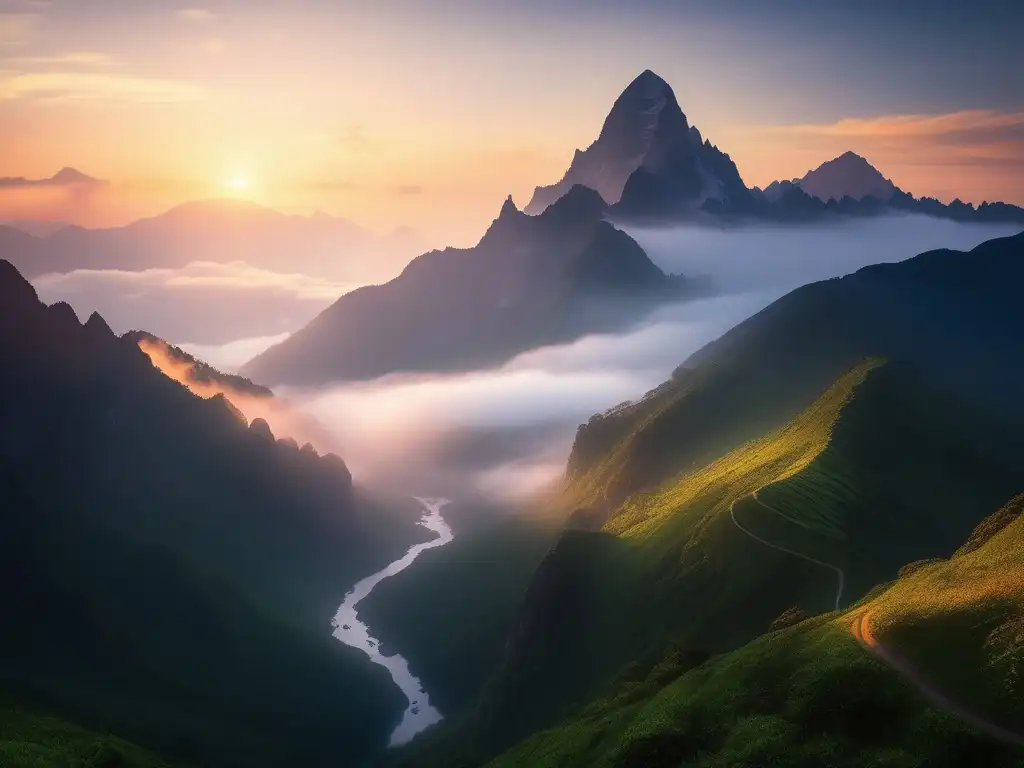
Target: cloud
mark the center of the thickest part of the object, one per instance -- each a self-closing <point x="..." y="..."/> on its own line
<point x="971" y="137"/>
<point x="198" y="15"/>
<point x="410" y="189"/>
<point x="83" y="58"/>
<point x="71" y="86"/>
<point x="234" y="275"/>
<point x="202" y="303"/>
<point x="16" y="28"/>
<point x="508" y="430"/>
<point x="233" y="355"/>
<point x="953" y="123"/>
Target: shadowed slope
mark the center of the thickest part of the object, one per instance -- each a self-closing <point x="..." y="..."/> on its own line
<point x="170" y="571"/>
<point x="530" y="281"/>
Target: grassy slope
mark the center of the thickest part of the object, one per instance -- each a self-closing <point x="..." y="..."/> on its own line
<point x="943" y="311"/>
<point x="30" y="740"/>
<point x="811" y="696"/>
<point x="708" y="585"/>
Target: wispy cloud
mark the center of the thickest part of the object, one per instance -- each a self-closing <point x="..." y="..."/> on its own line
<point x="199" y="15"/>
<point x="410" y="189"/>
<point x="949" y="124"/>
<point x="975" y="155"/>
<point x="73" y="58"/>
<point x="235" y="275"/>
<point x="70" y="86"/>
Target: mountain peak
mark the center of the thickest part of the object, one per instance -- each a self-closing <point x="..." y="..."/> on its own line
<point x="579" y="201"/>
<point x="849" y="175"/>
<point x="508" y="208"/>
<point x="68" y="175"/>
<point x="98" y="326"/>
<point x="649" y="81"/>
<point x="16" y="292"/>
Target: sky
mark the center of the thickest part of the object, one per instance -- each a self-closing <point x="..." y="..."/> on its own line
<point x="428" y="114"/>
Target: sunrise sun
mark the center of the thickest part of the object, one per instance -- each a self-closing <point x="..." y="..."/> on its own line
<point x="238" y="183"/>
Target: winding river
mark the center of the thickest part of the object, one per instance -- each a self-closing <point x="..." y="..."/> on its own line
<point x="351" y="631"/>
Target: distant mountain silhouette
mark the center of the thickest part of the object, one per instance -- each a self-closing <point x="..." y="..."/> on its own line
<point x="648" y="154"/>
<point x="169" y="570"/>
<point x="653" y="167"/>
<point x="218" y="231"/>
<point x="787" y="201"/>
<point x="848" y="175"/>
<point x="64" y="177"/>
<point x="531" y="280"/>
<point x="35" y="227"/>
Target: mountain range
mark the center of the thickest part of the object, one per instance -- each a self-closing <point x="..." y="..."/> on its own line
<point x="653" y="166"/>
<point x="530" y="281"/>
<point x="217" y="231"/>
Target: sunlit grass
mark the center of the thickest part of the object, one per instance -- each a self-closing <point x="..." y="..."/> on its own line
<point x="781" y="455"/>
<point x="810" y="695"/>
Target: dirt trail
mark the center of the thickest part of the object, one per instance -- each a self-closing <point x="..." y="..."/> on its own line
<point x="838" y="571"/>
<point x="865" y="635"/>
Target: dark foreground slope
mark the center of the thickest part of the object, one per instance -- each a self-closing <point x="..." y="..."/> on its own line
<point x="170" y="570"/>
<point x="530" y="281"/>
<point x="32" y="740"/>
<point x="924" y="672"/>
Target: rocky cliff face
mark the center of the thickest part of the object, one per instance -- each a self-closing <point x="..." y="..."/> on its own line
<point x="647" y="149"/>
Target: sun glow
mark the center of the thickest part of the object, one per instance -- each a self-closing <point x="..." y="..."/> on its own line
<point x="239" y="184"/>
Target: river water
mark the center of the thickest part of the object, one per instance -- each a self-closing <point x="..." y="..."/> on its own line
<point x="351" y="631"/>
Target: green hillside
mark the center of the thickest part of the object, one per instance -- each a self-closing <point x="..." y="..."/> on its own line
<point x="815" y="694"/>
<point x="879" y="471"/>
<point x="952" y="315"/>
<point x="30" y="740"/>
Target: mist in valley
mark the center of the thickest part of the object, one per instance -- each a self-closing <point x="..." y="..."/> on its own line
<point x="505" y="433"/>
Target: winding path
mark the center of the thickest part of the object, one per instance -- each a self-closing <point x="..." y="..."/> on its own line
<point x="864" y="635"/>
<point x="838" y="571"/>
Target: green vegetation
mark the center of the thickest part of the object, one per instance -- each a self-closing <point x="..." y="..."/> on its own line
<point x="949" y="315"/>
<point x="877" y="440"/>
<point x="810" y="695"/>
<point x="961" y="620"/>
<point x="30" y="740"/>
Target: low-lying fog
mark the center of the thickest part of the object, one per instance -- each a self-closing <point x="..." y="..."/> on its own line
<point x="507" y="431"/>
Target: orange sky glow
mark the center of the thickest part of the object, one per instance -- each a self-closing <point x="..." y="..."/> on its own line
<point x="371" y="119"/>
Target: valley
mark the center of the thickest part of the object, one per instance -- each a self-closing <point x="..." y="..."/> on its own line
<point x="685" y="448"/>
<point x="350" y="630"/>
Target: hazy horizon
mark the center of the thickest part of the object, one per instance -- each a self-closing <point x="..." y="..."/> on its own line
<point x="189" y="106"/>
